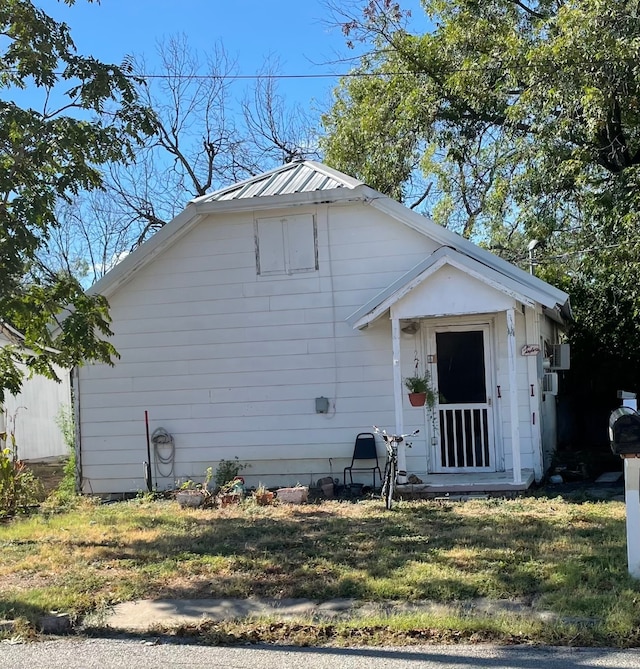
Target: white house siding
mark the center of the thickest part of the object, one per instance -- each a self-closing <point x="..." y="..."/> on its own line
<point x="528" y="450"/>
<point x="230" y="363"/>
<point x="33" y="414"/>
<point x="451" y="292"/>
<point x="548" y="407"/>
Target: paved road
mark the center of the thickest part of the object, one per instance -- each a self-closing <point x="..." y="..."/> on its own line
<point x="126" y="654"/>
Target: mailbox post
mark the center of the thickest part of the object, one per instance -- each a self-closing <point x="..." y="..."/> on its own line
<point x="632" y="501"/>
<point x="624" y="436"/>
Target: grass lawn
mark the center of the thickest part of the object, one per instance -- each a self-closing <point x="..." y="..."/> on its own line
<point x="566" y="557"/>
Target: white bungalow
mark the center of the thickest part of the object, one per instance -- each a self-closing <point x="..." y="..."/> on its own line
<point x="275" y="319"/>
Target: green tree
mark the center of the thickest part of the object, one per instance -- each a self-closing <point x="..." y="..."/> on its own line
<point x="513" y="110"/>
<point x="90" y="117"/>
<point x="512" y="120"/>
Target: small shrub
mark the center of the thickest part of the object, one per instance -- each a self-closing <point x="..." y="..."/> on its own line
<point x="227" y="470"/>
<point x="65" y="496"/>
<point x="19" y="488"/>
<point x="66" y="425"/>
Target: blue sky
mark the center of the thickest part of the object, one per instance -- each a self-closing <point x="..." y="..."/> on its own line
<point x="296" y="32"/>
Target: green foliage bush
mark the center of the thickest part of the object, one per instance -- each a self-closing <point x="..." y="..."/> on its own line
<point x="227" y="470"/>
<point x="65" y="496"/>
<point x="19" y="488"/>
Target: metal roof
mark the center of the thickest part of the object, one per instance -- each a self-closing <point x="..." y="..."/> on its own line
<point x="304" y="180"/>
<point x="296" y="177"/>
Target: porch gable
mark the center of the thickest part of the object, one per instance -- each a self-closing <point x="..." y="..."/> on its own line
<point x="475" y="275"/>
<point x="451" y="292"/>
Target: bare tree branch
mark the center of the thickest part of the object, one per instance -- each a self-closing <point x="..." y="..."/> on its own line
<point x="205" y="138"/>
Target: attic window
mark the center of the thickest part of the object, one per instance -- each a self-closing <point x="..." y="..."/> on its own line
<point x="286" y="244"/>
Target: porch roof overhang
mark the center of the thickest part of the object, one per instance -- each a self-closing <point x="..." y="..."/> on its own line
<point x="12" y="335"/>
<point x="447" y="255"/>
<point x="15" y="337"/>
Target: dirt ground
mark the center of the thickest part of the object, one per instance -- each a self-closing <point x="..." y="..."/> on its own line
<point x="50" y="472"/>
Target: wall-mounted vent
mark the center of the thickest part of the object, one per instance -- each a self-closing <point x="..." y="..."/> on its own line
<point x="560" y="356"/>
<point x="550" y="383"/>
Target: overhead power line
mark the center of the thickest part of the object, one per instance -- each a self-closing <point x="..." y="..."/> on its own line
<point x="323" y="75"/>
<point x="336" y="75"/>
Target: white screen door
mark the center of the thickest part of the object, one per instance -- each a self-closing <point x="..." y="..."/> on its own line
<point x="464" y="419"/>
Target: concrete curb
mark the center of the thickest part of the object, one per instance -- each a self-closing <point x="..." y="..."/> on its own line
<point x="144" y="615"/>
<point x="52" y="623"/>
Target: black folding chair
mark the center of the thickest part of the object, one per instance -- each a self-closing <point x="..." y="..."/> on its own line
<point x="364" y="451"/>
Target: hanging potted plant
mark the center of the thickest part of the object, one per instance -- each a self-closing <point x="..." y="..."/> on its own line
<point x="420" y="391"/>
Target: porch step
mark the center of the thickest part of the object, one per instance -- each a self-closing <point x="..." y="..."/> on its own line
<point x="609" y="477"/>
<point x="439" y="485"/>
<point x="459" y="497"/>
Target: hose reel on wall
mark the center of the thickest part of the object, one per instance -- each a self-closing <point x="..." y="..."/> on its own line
<point x="164" y="450"/>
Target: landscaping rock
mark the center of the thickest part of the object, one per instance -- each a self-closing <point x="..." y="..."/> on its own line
<point x="297" y="495"/>
<point x="55" y="623"/>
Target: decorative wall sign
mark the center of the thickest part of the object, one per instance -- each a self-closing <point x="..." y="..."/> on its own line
<point x="530" y="349"/>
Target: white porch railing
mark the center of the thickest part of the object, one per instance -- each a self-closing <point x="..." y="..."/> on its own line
<point x="464" y="437"/>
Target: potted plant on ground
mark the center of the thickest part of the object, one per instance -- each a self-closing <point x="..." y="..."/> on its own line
<point x="262" y="496"/>
<point x="231" y="492"/>
<point x="420" y="390"/>
<point x="191" y="494"/>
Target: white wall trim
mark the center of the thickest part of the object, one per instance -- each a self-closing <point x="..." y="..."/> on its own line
<point x="513" y="396"/>
<point x="532" y="335"/>
<point x="397" y="398"/>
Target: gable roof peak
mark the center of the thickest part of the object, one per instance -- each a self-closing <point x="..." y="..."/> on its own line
<point x="298" y="176"/>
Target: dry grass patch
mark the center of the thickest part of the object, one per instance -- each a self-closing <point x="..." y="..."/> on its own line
<point x="567" y="557"/>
